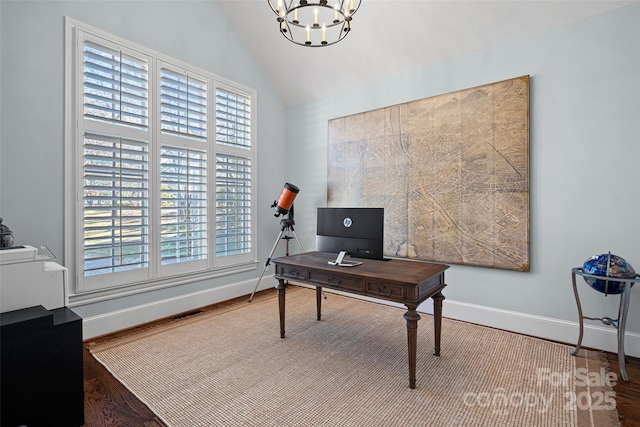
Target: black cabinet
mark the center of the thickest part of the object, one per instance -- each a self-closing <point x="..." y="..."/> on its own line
<point x="41" y="368"/>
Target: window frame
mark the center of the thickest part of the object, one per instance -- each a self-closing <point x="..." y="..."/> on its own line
<point x="158" y="276"/>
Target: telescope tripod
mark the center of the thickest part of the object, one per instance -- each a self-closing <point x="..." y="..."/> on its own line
<point x="286" y="226"/>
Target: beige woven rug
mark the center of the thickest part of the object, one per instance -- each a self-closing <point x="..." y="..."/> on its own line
<point x="229" y="367"/>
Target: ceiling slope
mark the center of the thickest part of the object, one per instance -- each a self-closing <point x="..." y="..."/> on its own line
<point x="390" y="37"/>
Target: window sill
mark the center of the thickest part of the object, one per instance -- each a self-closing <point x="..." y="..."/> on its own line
<point x="90" y="297"/>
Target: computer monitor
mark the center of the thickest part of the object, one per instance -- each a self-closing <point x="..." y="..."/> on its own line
<point x="359" y="231"/>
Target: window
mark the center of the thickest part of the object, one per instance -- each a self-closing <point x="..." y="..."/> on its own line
<point x="233" y="172"/>
<point x="160" y="165"/>
<point x="183" y="205"/>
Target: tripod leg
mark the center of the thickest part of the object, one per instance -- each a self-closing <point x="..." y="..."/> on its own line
<point x="266" y="264"/>
<point x="297" y="240"/>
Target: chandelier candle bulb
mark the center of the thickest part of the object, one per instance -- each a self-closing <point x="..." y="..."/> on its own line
<point x="314" y="23"/>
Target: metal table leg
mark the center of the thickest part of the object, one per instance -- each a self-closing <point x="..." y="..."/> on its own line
<point x="580" y="318"/>
<point x="619" y="323"/>
<point x="622" y="323"/>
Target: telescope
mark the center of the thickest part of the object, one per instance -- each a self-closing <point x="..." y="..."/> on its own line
<point x="285" y="201"/>
<point x="283" y="206"/>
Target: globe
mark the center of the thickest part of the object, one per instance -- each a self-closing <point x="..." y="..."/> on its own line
<point x="608" y="265"/>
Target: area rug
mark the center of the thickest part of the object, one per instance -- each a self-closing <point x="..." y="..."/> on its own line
<point x="229" y="367"/>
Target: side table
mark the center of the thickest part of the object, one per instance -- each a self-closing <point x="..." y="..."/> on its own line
<point x="619" y="323"/>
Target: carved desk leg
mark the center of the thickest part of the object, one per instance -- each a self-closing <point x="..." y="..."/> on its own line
<point x="281" y="286"/>
<point x="437" y="320"/>
<point x="412" y="318"/>
<point x="319" y="301"/>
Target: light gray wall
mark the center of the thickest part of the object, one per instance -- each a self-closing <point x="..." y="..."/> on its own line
<point x="32" y="95"/>
<point x="585" y="152"/>
<point x="585" y="137"/>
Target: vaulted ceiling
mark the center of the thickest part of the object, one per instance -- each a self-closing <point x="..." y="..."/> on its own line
<point x="393" y="36"/>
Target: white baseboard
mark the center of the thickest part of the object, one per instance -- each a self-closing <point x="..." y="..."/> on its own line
<point x="138" y="315"/>
<point x="595" y="336"/>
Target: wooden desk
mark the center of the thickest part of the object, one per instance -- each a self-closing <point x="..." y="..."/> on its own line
<point x="403" y="281"/>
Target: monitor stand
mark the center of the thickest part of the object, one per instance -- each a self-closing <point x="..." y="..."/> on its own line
<point x="340" y="261"/>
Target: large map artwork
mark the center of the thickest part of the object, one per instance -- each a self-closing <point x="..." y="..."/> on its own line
<point x="451" y="171"/>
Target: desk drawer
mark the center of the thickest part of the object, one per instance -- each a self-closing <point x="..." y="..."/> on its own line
<point x="335" y="281"/>
<point x="289" y="272"/>
<point x="385" y="290"/>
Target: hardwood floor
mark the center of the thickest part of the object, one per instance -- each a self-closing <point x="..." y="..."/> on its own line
<point x="627" y="392"/>
<point x="109" y="404"/>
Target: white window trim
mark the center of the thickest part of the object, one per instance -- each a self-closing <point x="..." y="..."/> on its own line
<point x="73" y="176"/>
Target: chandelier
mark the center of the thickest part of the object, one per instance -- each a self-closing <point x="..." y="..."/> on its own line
<point x="314" y="23"/>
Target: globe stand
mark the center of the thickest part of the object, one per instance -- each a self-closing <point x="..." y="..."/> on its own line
<point x="619" y="323"/>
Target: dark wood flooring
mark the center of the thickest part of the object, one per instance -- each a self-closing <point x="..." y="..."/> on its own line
<point x="109" y="404"/>
<point x="627" y="392"/>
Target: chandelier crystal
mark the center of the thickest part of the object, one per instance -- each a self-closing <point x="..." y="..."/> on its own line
<point x="314" y="23"/>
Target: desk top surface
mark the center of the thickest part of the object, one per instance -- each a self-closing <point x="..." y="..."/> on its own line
<point x="398" y="270"/>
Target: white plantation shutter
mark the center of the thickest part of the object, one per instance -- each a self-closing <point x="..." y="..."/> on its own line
<point x="115" y="85"/>
<point x="115" y="156"/>
<point x="160" y="195"/>
<point x="234" y="216"/>
<point x="115" y="205"/>
<point x="233" y="205"/>
<point x="183" y="211"/>
<point x="183" y="104"/>
<point x="183" y="170"/>
<point x="233" y="118"/>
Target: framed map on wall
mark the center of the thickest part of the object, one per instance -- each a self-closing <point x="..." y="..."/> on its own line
<point x="451" y="171"/>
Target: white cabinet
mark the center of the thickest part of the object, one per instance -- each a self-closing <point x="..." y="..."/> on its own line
<point x="28" y="279"/>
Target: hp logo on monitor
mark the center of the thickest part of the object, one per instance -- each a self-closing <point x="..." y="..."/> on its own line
<point x="347" y="222"/>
